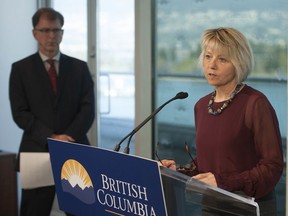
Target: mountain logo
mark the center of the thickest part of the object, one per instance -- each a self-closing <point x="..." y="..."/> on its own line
<point x="76" y="181"/>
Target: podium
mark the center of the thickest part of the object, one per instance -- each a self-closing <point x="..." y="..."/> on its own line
<point x="93" y="181"/>
<point x="188" y="197"/>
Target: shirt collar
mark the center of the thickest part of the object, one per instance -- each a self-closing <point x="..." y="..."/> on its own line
<point x="45" y="58"/>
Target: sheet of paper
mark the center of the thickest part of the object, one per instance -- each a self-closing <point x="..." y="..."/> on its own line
<point x="35" y="170"/>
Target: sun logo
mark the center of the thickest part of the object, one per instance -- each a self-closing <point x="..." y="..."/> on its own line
<point x="76" y="180"/>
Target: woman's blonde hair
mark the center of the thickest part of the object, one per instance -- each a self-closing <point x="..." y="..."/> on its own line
<point x="233" y="41"/>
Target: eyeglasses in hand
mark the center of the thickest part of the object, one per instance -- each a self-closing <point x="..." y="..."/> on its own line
<point x="188" y="169"/>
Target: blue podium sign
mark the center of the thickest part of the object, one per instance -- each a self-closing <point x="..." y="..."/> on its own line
<point x="91" y="181"/>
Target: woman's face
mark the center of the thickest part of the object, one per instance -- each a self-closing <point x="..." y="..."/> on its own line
<point x="218" y="68"/>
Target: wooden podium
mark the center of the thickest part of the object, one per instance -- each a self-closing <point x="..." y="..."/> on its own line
<point x="8" y="184"/>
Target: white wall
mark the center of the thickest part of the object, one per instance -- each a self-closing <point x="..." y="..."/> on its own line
<point x="16" y="42"/>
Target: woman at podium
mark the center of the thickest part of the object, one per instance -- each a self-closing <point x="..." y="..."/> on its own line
<point x="238" y="140"/>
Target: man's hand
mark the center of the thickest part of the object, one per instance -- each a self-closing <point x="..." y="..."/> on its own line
<point x="62" y="137"/>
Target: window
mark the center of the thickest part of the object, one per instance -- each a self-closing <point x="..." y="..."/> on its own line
<point x="114" y="79"/>
<point x="178" y="28"/>
<point x="116" y="66"/>
<point x="75" y="28"/>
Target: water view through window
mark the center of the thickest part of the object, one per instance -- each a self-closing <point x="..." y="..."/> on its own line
<point x="178" y="28"/>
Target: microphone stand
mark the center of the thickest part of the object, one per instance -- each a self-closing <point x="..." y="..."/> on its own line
<point x="180" y="95"/>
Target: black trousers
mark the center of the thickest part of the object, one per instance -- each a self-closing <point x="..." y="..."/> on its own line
<point x="39" y="201"/>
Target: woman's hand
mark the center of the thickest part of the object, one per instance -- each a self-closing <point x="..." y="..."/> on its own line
<point x="207" y="178"/>
<point x="171" y="164"/>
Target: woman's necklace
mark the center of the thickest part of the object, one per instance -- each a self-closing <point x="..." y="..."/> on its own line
<point x="226" y="103"/>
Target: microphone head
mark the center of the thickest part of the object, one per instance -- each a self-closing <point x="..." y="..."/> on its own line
<point x="181" y="95"/>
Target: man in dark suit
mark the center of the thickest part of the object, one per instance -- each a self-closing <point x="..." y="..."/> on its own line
<point x="61" y="109"/>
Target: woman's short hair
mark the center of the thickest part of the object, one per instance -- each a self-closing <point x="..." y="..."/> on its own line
<point x="233" y="41"/>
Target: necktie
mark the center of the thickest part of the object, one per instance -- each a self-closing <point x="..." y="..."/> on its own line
<point x="52" y="75"/>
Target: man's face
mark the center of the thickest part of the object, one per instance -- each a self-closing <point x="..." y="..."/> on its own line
<point x="48" y="34"/>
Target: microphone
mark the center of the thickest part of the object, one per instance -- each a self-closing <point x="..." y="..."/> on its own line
<point x="180" y="95"/>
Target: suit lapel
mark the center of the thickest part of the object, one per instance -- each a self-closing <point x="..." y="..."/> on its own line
<point x="42" y="73"/>
<point x="62" y="73"/>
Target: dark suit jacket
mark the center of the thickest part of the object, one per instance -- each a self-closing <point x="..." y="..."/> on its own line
<point x="39" y="113"/>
